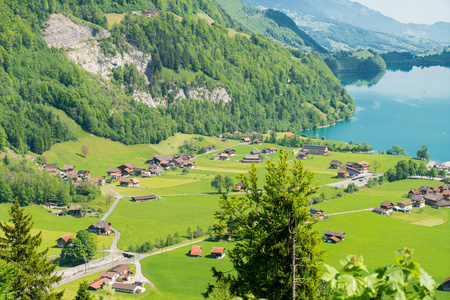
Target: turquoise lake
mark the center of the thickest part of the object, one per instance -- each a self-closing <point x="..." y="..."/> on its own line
<point x="397" y="107"/>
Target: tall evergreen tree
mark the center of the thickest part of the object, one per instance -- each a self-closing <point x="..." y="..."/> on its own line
<point x="34" y="278"/>
<point x="83" y="293"/>
<point x="277" y="254"/>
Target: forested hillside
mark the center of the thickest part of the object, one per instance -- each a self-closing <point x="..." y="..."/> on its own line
<point x="270" y="86"/>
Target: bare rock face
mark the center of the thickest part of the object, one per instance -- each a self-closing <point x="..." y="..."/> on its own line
<point x="61" y="31"/>
<point x="216" y="95"/>
<point x="145" y="98"/>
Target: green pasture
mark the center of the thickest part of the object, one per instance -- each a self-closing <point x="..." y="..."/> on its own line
<point x="181" y="75"/>
<point x="53" y="227"/>
<point x="114" y="18"/>
<point x="179" y="276"/>
<point x="426" y="216"/>
<point x="369" y="198"/>
<point x="377" y="237"/>
<point x="146" y="221"/>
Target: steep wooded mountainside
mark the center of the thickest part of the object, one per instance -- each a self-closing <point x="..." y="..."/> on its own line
<point x="334" y="30"/>
<point x="253" y="82"/>
<point x="270" y="23"/>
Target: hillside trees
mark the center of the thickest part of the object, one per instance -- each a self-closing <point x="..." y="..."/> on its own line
<point x="274" y="232"/>
<point x="423" y="154"/>
<point x="18" y="247"/>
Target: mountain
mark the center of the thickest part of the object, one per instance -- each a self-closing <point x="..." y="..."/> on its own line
<point x="189" y="68"/>
<point x="270" y="23"/>
<point x="328" y="23"/>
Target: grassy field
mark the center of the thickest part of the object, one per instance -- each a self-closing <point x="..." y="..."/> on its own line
<point x="165" y="271"/>
<point x="377" y="237"/>
<point x="147" y="221"/>
<point x="114" y="18"/>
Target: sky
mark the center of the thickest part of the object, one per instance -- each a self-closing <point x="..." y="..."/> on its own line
<point x="412" y="11"/>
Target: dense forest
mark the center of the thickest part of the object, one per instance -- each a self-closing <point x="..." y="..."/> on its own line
<point x="426" y="59"/>
<point x="271" y="87"/>
<point x="355" y="61"/>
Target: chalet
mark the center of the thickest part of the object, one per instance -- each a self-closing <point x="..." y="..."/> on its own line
<point x="442" y="204"/>
<point x="100" y="228"/>
<point x="72" y="175"/>
<point x="112" y="170"/>
<point x="112" y="276"/>
<point x="151" y="12"/>
<point x="318" y="213"/>
<point x="446" y="194"/>
<point x="129" y="182"/>
<point x="158" y="158"/>
<point x="425" y="189"/>
<point x="97" y="181"/>
<point x="184" y="157"/>
<point x="126" y="169"/>
<point x="245" y="141"/>
<point x="63" y="240"/>
<point x="144" y="198"/>
<point x="238" y="187"/>
<point x="210" y="148"/>
<point x="341" y="173"/>
<point x="445" y="285"/>
<point x="122" y="269"/>
<point x="230" y="152"/>
<point x="415" y="192"/>
<point x="68" y="168"/>
<point x="178" y="162"/>
<point x="257" y="141"/>
<point x="51" y="168"/>
<point x="418" y="200"/>
<point x="98" y="283"/>
<point x="155" y="167"/>
<point x="127" y="288"/>
<point x="218" y="252"/>
<point x="166" y="164"/>
<point x="251" y="159"/>
<point x="363" y="166"/>
<point x="432" y="199"/>
<point x="189" y="164"/>
<point x="84" y="173"/>
<point x="254" y="152"/>
<point x="116" y="176"/>
<point x="404" y="206"/>
<point x="215" y="156"/>
<point x="196" y="251"/>
<point x="389" y="206"/>
<point x="224" y="156"/>
<point x="139" y="171"/>
<point x="380" y="211"/>
<point x="333" y="236"/>
<point x="335" y="164"/>
<point x="153" y="172"/>
<point x="74" y="210"/>
<point x="353" y="172"/>
<point x="301" y="155"/>
<point x="269" y="150"/>
<point x="315" y="149"/>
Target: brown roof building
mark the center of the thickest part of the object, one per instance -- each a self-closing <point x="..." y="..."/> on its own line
<point x="61" y="242"/>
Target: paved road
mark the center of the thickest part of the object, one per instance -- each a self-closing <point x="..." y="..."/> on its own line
<point x="348" y="212"/>
<point x="357" y="182"/>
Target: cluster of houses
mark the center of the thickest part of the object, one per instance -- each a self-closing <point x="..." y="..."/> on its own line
<point x="225" y="155"/>
<point x="115" y="277"/>
<point x="68" y="171"/>
<point x="351" y="168"/>
<point x="435" y="197"/>
<point x="216" y="252"/>
<point x="311" y="149"/>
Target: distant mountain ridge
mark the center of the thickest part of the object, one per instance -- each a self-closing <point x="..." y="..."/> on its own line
<point x="338" y="25"/>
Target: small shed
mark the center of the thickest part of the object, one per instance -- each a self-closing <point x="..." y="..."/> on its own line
<point x="196" y="251"/>
<point x="61" y="242"/>
<point x="218" y="252"/>
<point x="74" y="210"/>
<point x="144" y="198"/>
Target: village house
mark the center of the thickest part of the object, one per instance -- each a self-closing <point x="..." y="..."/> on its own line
<point x="72" y="175"/>
<point x="144" y="198"/>
<point x="257" y="141"/>
<point x="358" y="167"/>
<point x="74" y="210"/>
<point x="68" y="168"/>
<point x="425" y="189"/>
<point x="196" y="251"/>
<point x="404" y="206"/>
<point x="112" y="170"/>
<point x="380" y="211"/>
<point x="238" y="187"/>
<point x="442" y="204"/>
<point x="224" y="156"/>
<point x="335" y="164"/>
<point x="418" y="200"/>
<point x="156" y="167"/>
<point x="334" y="236"/>
<point x="269" y="150"/>
<point x="432" y="199"/>
<point x="446" y="195"/>
<point x="51" y="168"/>
<point x="218" y="252"/>
<point x="230" y="152"/>
<point x="224" y="140"/>
<point x="254" y="152"/>
<point x="98" y="283"/>
<point x="414" y="192"/>
<point x="97" y="181"/>
<point x="445" y="285"/>
<point x="215" y="156"/>
<point x="127" y="288"/>
<point x="210" y="148"/>
<point x="342" y="173"/>
<point x="123" y="270"/>
<point x="388" y="206"/>
<point x="165" y="164"/>
<point x="129" y="182"/>
<point x="112" y="276"/>
<point x="301" y="155"/>
<point x="100" y="228"/>
<point x="363" y="166"/>
<point x="63" y="240"/>
<point x="151" y="12"/>
<point x="251" y="159"/>
<point x="318" y="213"/>
<point x="245" y="141"/>
<point x="126" y="169"/>
<point x="315" y="149"/>
<point x="353" y="172"/>
<point x="84" y="173"/>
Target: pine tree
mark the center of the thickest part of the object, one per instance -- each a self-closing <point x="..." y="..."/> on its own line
<point x="17" y="246"/>
<point x="83" y="293"/>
